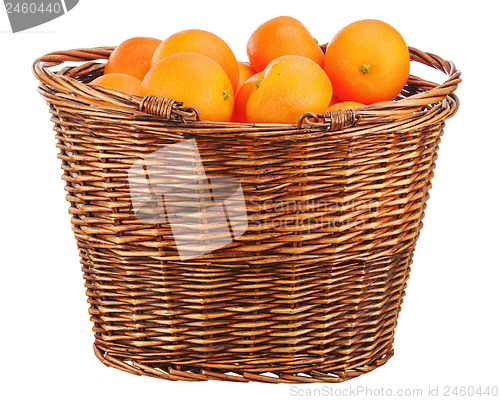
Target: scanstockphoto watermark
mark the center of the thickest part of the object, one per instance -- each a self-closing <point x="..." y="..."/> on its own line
<point x="206" y="213"/>
<point x="452" y="391"/>
<point x="327" y="391"/>
<point x="312" y="214"/>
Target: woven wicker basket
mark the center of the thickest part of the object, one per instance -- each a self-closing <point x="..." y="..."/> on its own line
<point x="309" y="293"/>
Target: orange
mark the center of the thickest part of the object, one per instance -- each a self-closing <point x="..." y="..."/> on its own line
<point x="345" y="105"/>
<point x="122" y="82"/>
<point x="200" y="42"/>
<point x="367" y="61"/>
<point x="194" y="79"/>
<point x="281" y="36"/>
<point x="291" y="86"/>
<point x="132" y="57"/>
<point x="240" y="104"/>
<point x="245" y="72"/>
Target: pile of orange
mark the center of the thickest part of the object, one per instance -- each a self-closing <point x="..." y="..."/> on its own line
<point x="287" y="72"/>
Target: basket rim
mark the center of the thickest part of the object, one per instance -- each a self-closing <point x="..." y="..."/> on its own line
<point x="63" y="81"/>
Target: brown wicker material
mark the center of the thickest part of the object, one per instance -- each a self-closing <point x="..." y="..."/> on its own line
<point x="314" y="298"/>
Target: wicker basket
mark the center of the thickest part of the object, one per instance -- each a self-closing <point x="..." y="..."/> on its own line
<point x="304" y="293"/>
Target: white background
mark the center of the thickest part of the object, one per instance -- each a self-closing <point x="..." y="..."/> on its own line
<point x="447" y="333"/>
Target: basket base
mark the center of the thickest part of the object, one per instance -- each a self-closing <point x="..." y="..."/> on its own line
<point x="177" y="372"/>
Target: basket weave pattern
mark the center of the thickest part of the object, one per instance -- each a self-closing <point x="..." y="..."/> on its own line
<point x="311" y="292"/>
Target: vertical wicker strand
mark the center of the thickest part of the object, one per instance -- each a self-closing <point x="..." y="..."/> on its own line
<point x="257" y="272"/>
<point x="299" y="213"/>
<point x="202" y="182"/>
<point x="348" y="269"/>
<point x="378" y="318"/>
<point x="116" y="222"/>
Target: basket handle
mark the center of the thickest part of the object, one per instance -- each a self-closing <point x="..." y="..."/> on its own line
<point x="167" y="108"/>
<point x="435" y="93"/>
<point x="338" y="120"/>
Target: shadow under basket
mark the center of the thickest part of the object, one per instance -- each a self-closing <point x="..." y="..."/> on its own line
<point x="323" y="222"/>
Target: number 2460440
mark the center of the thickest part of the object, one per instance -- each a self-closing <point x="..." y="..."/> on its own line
<point x="469" y="391"/>
<point x="32" y="8"/>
